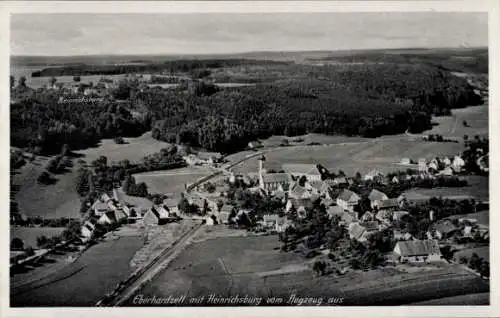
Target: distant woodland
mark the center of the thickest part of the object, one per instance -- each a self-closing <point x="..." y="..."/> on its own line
<point x="368" y="100"/>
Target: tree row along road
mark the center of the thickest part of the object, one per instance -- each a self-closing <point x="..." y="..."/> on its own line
<point x="152" y="269"/>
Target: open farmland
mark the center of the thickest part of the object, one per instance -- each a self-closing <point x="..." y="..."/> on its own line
<point x="261" y="270"/>
<point x="478" y="187"/>
<point x="482" y="217"/>
<point x="51" y="201"/>
<point x="482" y="252"/>
<point x="29" y="234"/>
<point x="170" y="181"/>
<point x="354" y="156"/>
<point x="134" y="149"/>
<point x="85" y="281"/>
<point x="452" y="126"/>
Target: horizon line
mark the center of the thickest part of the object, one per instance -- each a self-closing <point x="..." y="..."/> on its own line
<point x="264" y="51"/>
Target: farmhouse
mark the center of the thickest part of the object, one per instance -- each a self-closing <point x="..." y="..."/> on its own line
<point x="156" y="216"/>
<point x="412" y="198"/>
<point x="87" y="230"/>
<point x="310" y="171"/>
<point x="458" y="163"/>
<point x="348" y="200"/>
<point x="375" y="197"/>
<point x="386" y="204"/>
<point x="418" y="251"/>
<point x="100" y="208"/>
<point x="362" y="231"/>
<point x="108" y="218"/>
<point x="444" y="229"/>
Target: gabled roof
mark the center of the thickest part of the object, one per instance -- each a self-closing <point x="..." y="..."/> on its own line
<point x="356" y="231"/>
<point x="377" y="195"/>
<point x="445" y="227"/>
<point x="318" y="185"/>
<point x="276" y="177"/>
<point x="370" y="225"/>
<point x="299" y="168"/>
<point x="418" y="247"/>
<point x="385" y="204"/>
<point x="159" y="212"/>
<point x="100" y="206"/>
<point x="334" y="210"/>
<point x="348" y="195"/>
<point x="297" y="191"/>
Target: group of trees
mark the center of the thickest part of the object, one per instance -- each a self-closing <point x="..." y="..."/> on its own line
<point x="131" y="188"/>
<point x="44" y="125"/>
<point x="478" y="264"/>
<point x="351" y="101"/>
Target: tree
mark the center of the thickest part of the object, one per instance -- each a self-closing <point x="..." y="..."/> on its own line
<point x="302" y="181"/>
<point x="12" y="82"/>
<point x="76" y="79"/>
<point x="22" y="81"/>
<point x="16" y="244"/>
<point x="484" y="269"/>
<point x="474" y="261"/>
<point x="41" y="241"/>
<point x="29" y="251"/>
<point x="119" y="140"/>
<point x="465" y="124"/>
<point x="45" y="178"/>
<point x="319" y="267"/>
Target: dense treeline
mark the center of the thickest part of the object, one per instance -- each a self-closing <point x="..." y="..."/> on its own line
<point x="369" y="100"/>
<point x="45" y="125"/>
<point x="167" y="66"/>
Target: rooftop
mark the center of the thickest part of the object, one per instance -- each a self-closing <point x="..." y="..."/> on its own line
<point x="418" y="247"/>
<point x="276" y="177"/>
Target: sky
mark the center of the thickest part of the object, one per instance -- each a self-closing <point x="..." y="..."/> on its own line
<point x="213" y="33"/>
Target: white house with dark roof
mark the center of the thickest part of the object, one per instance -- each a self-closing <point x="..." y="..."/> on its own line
<point x="376" y="196"/>
<point x="310" y="171"/>
<point x="418" y="251"/>
<point x="348" y="200"/>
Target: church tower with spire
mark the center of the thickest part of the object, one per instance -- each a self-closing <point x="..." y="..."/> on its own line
<point x="261" y="171"/>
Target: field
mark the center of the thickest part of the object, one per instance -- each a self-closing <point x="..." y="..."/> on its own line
<point x="353" y="156"/>
<point x="134" y="149"/>
<point x="261" y="270"/>
<point x="85" y="281"/>
<point x="482" y="217"/>
<point x="452" y="126"/>
<point x="29" y="234"/>
<point x="478" y="187"/>
<point x="482" y="252"/>
<point x="51" y="201"/>
<point x="170" y="181"/>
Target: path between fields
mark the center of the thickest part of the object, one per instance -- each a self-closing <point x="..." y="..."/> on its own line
<point x="155" y="267"/>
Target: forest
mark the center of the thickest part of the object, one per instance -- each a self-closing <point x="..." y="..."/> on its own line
<point x="368" y="100"/>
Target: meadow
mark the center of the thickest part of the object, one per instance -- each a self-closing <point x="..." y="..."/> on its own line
<point x="85" y="281"/>
<point x="452" y="126"/>
<point x="170" y="181"/>
<point x="261" y="270"/>
<point x="482" y="252"/>
<point x="354" y="156"/>
<point x="478" y="187"/>
<point x="29" y="234"/>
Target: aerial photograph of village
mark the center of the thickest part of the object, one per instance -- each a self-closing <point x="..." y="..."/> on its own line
<point x="231" y="159"/>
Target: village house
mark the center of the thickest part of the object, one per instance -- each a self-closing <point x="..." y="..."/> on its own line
<point x="255" y="144"/>
<point x="418" y="251"/>
<point x="375" y="197"/>
<point x="156" y="215"/>
<point x="298" y="204"/>
<point x="448" y="171"/>
<point x="210" y="220"/>
<point x="412" y="198"/>
<point x="269" y="220"/>
<point x="100" y="208"/>
<point x="367" y="216"/>
<point x="398" y="216"/>
<point x="108" y="218"/>
<point x="361" y="232"/>
<point x="372" y="175"/>
<point x="446" y="161"/>
<point x="444" y="229"/>
<point x="388" y="204"/>
<point x="384" y="216"/>
<point x="340" y="181"/>
<point x="332" y="211"/>
<point x="402" y="236"/>
<point x="87" y="231"/>
<point x="458" y="163"/>
<point x="348" y="200"/>
<point x="422" y="165"/>
<point x="296" y="191"/>
<point x="310" y="171"/>
<point x="405" y="161"/>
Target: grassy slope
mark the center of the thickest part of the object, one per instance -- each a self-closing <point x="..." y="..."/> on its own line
<point x="205" y="267"/>
<point x="29" y="234"/>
